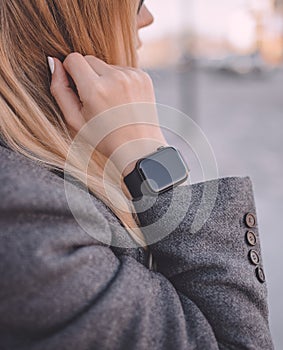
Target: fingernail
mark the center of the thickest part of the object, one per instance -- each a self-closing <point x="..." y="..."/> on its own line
<point x="51" y="64"/>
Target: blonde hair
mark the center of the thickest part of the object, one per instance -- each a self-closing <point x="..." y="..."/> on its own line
<point x="30" y="120"/>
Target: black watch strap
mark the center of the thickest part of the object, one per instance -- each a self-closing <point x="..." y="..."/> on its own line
<point x="133" y="182"/>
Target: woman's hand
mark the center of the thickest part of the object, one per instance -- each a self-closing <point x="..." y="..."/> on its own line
<point x="100" y="88"/>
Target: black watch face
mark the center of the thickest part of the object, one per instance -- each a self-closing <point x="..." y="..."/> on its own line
<point x="163" y="169"/>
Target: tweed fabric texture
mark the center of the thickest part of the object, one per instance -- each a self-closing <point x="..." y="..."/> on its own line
<point x="60" y="288"/>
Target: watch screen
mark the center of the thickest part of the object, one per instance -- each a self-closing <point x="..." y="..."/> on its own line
<point x="163" y="169"/>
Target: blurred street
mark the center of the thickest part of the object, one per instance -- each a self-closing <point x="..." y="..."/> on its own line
<point x="242" y="117"/>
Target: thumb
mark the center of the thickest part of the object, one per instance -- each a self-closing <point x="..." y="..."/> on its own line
<point x="67" y="100"/>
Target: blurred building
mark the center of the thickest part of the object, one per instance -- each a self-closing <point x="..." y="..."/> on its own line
<point x="213" y="30"/>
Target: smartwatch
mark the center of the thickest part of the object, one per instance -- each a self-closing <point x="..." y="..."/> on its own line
<point x="157" y="173"/>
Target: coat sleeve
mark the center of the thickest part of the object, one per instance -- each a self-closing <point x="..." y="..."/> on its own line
<point x="213" y="257"/>
<point x="62" y="289"/>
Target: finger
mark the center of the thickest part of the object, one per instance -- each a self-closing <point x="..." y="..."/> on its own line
<point x="99" y="66"/>
<point x="67" y="100"/>
<point x="81" y="72"/>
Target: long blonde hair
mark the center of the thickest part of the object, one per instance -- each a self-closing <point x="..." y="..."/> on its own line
<point x="30" y="121"/>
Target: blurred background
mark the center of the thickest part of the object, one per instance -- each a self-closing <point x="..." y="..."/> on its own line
<point x="220" y="62"/>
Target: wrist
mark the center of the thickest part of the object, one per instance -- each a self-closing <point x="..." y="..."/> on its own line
<point x="126" y="157"/>
<point x="129" y="168"/>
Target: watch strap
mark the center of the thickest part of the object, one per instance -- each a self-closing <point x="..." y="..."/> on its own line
<point x="133" y="182"/>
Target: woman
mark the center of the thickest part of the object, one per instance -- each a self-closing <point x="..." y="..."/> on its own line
<point x="62" y="288"/>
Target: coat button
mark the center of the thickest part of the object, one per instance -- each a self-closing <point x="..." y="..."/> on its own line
<point x="150" y="261"/>
<point x="254" y="258"/>
<point x="251" y="238"/>
<point x="250" y="220"/>
<point x="260" y="274"/>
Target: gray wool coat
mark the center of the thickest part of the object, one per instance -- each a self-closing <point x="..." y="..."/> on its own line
<point x="63" y="289"/>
